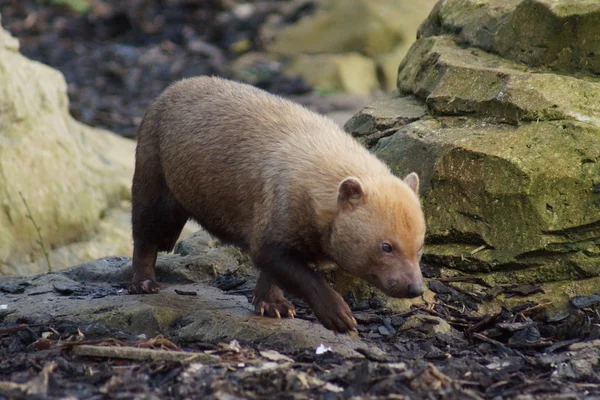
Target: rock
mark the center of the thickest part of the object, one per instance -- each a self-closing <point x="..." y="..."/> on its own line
<point x="97" y="296"/>
<point x="338" y="31"/>
<point x="341" y="117"/>
<point x="580" y="302"/>
<point x="254" y="67"/>
<point x="486" y="184"/>
<point x="426" y="324"/>
<point x="369" y="27"/>
<point x="387" y="65"/>
<point x="458" y="81"/>
<point x="557" y="295"/>
<point x="203" y="264"/>
<point x="508" y="154"/>
<point x="579" y="362"/>
<point x="112" y="235"/>
<point x="562" y="35"/>
<point x="383" y="117"/>
<point x="351" y="72"/>
<point x="197" y="243"/>
<point x="69" y="175"/>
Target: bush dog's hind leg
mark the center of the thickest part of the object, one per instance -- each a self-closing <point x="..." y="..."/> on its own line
<point x="144" y="277"/>
<point x="287" y="268"/>
<point x="156" y="227"/>
<point x="157" y="219"/>
<point x="269" y="300"/>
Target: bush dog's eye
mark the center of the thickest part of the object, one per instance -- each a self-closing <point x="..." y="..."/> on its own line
<point x="385" y="246"/>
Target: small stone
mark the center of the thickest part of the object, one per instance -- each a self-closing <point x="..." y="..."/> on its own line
<point x="427" y="324"/>
<point x="383" y="330"/>
<point x="376" y="303"/>
<point x="397" y="321"/>
<point x="65" y="289"/>
<point x="96" y="329"/>
<point x="580" y="302"/>
<point x="243" y="10"/>
<point x="11" y="288"/>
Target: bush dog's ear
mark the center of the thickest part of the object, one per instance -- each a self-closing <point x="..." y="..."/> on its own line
<point x="412" y="180"/>
<point x="350" y="192"/>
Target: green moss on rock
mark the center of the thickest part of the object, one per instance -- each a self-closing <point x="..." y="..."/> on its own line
<point x="460" y="81"/>
<point x="68" y="173"/>
<point x="516" y="191"/>
<point x="563" y="35"/>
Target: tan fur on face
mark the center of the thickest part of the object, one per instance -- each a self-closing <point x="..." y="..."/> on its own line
<point x="390" y="212"/>
<point x="401" y="216"/>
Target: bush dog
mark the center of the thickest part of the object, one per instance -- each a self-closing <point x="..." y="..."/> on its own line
<point x="285" y="184"/>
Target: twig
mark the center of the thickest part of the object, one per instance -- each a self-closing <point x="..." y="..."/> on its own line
<point x="488" y="319"/>
<point x="477" y="250"/>
<point x="535" y="345"/>
<point x="535" y="308"/>
<point x="132" y="353"/>
<point x="488" y="340"/>
<point x="39" y="232"/>
<point x="13" y="329"/>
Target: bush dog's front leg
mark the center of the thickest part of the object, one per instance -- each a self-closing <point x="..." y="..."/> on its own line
<point x="290" y="271"/>
<point x="268" y="299"/>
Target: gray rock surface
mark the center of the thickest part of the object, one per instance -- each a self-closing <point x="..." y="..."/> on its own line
<point x="96" y="292"/>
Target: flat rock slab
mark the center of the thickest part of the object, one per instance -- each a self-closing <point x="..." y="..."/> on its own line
<point x="209" y="316"/>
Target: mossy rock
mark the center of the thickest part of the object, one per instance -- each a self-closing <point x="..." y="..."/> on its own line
<point x="383" y="116"/>
<point x="69" y="175"/>
<point x="508" y="155"/>
<point x="351" y="73"/>
<point x="560" y="34"/>
<point x="463" y="81"/>
<point x="500" y="197"/>
<point x="369" y="27"/>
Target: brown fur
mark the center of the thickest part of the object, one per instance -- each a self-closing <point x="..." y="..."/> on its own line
<point x="279" y="181"/>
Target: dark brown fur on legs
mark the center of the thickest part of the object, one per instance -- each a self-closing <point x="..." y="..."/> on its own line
<point x="157" y="220"/>
<point x="288" y="267"/>
<point x="156" y="227"/>
<point x="268" y="299"/>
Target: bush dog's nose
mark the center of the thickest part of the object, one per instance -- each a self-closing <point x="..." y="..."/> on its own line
<point x="415" y="289"/>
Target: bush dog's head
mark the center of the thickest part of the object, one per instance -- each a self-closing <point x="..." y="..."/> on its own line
<point x="378" y="233"/>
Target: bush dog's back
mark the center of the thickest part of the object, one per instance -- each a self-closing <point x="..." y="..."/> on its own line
<point x="279" y="181"/>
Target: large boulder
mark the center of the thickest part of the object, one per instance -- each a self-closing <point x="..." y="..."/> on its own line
<point x="370" y="27"/>
<point x="506" y="138"/>
<point x="381" y="31"/>
<point x="352" y="72"/>
<point x="56" y="174"/>
<point x="562" y="35"/>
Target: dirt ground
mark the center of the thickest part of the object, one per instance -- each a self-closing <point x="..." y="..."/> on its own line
<point x="443" y="349"/>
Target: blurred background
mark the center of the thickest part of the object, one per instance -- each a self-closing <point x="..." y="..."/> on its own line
<point x="118" y="55"/>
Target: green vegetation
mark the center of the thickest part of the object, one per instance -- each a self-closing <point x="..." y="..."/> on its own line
<point x="78" y="6"/>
